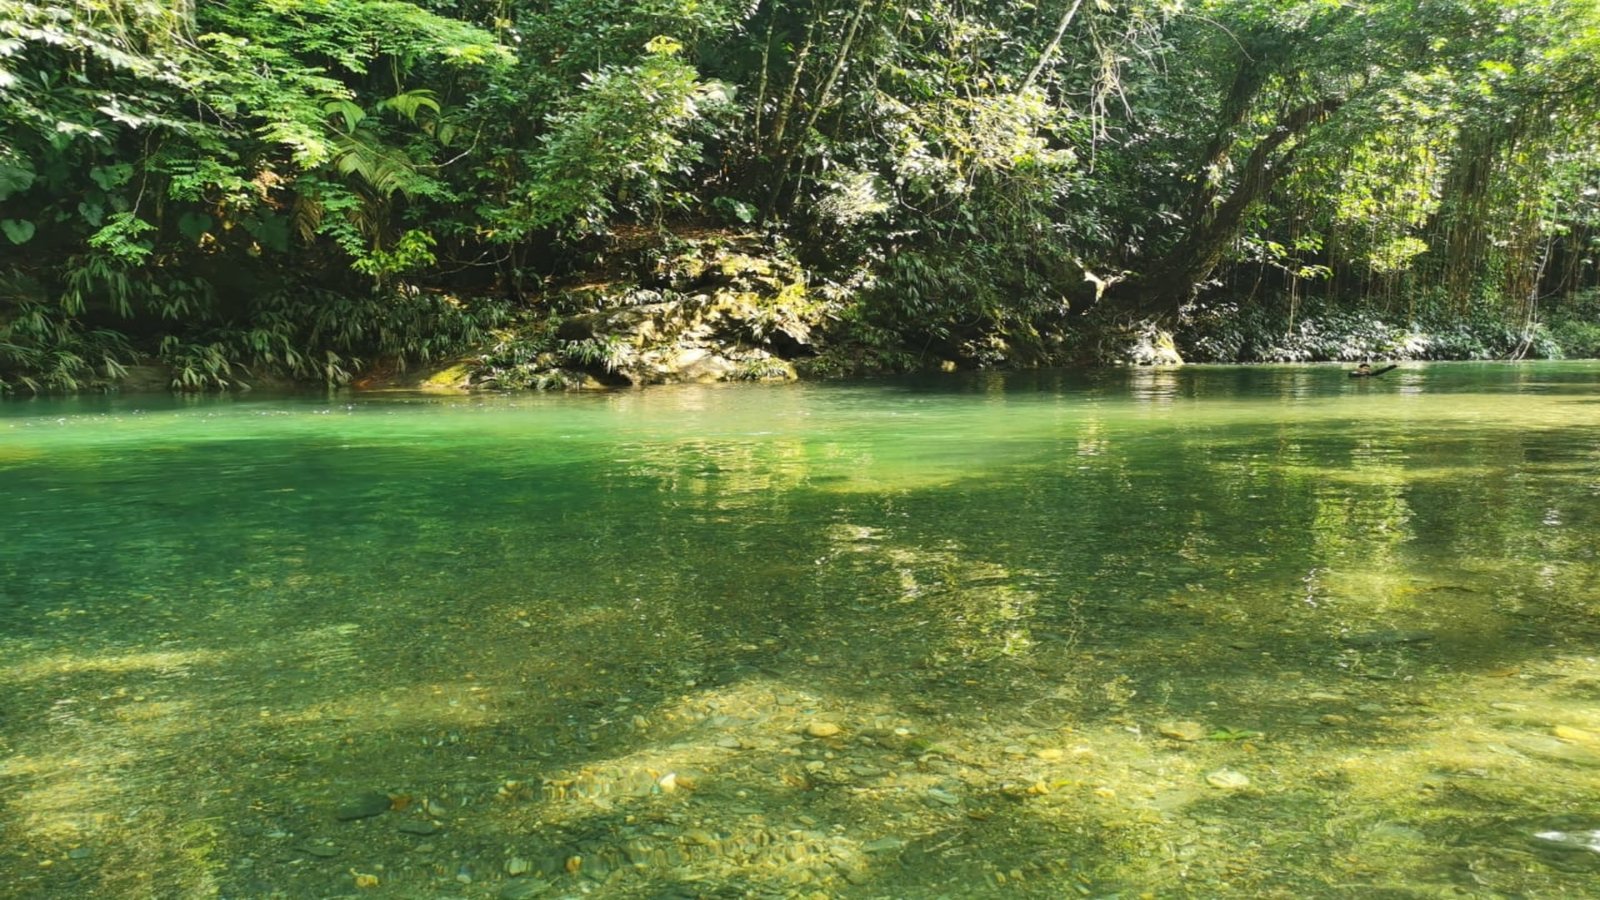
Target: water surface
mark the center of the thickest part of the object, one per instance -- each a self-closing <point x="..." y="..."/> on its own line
<point x="1210" y="631"/>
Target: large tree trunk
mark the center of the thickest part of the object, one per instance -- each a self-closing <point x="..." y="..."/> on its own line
<point x="1213" y="221"/>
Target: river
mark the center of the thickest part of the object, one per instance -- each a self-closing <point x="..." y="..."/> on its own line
<point x="1208" y="631"/>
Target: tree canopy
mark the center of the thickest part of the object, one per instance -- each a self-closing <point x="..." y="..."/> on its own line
<point x="308" y="185"/>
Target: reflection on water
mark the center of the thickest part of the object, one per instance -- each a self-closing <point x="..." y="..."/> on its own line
<point x="1210" y="631"/>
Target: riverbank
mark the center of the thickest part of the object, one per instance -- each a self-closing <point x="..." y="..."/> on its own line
<point x="709" y="305"/>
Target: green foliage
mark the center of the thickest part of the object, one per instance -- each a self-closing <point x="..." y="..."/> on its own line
<point x="1577" y="339"/>
<point x="44" y="349"/>
<point x="535" y="357"/>
<point x="596" y="352"/>
<point x="412" y="251"/>
<point x="768" y="369"/>
<point x="300" y="332"/>
<point x="120" y="239"/>
<point x="522" y="359"/>
<point x="1234" y="734"/>
<point x="617" y="141"/>
<point x="965" y="183"/>
<point x="18" y="231"/>
<point x="197" y="366"/>
<point x="1575" y="327"/>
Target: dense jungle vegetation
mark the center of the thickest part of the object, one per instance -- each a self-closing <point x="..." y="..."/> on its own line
<point x="313" y="187"/>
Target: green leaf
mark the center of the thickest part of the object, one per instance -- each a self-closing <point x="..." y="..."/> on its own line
<point x="272" y="231"/>
<point x="410" y="103"/>
<point x="109" y="177"/>
<point x="119" y="238"/>
<point x="1230" y="734"/>
<point x="15" y="179"/>
<point x="20" y="231"/>
<point x="93" y="213"/>
<point x="344" y="109"/>
<point x="193" y="225"/>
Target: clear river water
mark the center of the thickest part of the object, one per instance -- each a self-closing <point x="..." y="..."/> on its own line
<point x="1198" y="632"/>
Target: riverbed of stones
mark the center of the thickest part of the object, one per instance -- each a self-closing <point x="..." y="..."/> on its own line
<point x="888" y="782"/>
<point x="778" y="793"/>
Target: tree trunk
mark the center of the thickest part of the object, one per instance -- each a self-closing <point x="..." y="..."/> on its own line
<point x="761" y="90"/>
<point x="1046" y="57"/>
<point x="1213" y="227"/>
<point x="786" y="152"/>
<point x="780" y="122"/>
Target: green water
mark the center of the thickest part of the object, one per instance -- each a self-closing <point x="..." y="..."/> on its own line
<point x="1255" y="632"/>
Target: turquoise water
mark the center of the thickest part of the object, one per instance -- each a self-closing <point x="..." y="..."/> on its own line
<point x="1210" y="631"/>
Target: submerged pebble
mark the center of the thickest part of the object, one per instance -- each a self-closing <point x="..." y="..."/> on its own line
<point x="700" y="836"/>
<point x="1182" y="731"/>
<point x="1575" y="735"/>
<point x="884" y="845"/>
<point x="1227" y="779"/>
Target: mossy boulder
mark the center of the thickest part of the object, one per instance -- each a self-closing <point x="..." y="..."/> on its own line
<point x="714" y="308"/>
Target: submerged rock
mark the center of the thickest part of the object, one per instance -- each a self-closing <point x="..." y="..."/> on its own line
<point x="1575" y="735"/>
<point x="1227" y="780"/>
<point x="1553" y="749"/>
<point x="362" y="806"/>
<point x="1182" y="731"/>
<point x="823" y="729"/>
<point x="884" y="845"/>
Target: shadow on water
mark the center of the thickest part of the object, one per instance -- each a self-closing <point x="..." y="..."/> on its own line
<point x="1206" y="657"/>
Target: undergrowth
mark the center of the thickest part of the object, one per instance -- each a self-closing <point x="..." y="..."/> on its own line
<point x="1227" y="332"/>
<point x="306" y="334"/>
